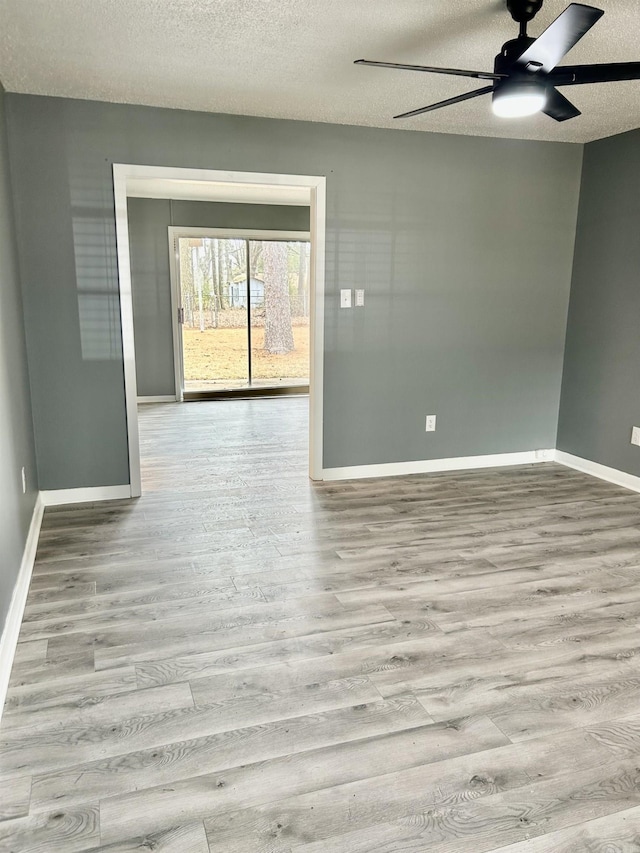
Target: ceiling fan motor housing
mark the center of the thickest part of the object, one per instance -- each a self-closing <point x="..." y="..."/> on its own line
<point x="524" y="11"/>
<point x="506" y="61"/>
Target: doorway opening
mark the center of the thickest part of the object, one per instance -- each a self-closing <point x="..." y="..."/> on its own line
<point x="241" y="312"/>
<point x="159" y="182"/>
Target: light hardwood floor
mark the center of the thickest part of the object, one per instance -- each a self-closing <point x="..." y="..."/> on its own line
<point x="244" y="662"/>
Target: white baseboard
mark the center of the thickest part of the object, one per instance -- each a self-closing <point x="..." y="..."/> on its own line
<point x="603" y="472"/>
<point x="59" y="497"/>
<point x="168" y="399"/>
<point x="11" y="632"/>
<point x="430" y="466"/>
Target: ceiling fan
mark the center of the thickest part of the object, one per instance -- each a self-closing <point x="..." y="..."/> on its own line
<point x="526" y="71"/>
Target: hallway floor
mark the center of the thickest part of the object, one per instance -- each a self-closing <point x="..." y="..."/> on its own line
<point x="245" y="662"/>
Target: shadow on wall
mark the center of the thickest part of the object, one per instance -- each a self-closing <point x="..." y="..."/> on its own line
<point x="94" y="247"/>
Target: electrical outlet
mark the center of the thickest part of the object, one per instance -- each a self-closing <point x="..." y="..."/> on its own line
<point x="345" y="299"/>
<point x="635" y="435"/>
<point x="24" y="481"/>
<point x="430" y="425"/>
<point x="359" y="298"/>
<point x="544" y="455"/>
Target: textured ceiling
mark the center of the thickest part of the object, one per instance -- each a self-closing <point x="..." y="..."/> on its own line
<point x="293" y="59"/>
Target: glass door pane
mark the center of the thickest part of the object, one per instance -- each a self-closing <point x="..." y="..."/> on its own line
<point x="279" y="313"/>
<point x="214" y="313"/>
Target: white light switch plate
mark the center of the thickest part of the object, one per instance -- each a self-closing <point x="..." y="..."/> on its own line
<point x="345" y="299"/>
<point x="635" y="435"/>
<point x="359" y="298"/>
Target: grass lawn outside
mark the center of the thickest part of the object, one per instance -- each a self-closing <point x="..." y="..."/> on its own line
<point x="220" y="355"/>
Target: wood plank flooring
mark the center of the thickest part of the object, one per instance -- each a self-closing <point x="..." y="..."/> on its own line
<point x="245" y="662"/>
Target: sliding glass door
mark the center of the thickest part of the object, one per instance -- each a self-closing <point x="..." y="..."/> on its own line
<point x="279" y="340"/>
<point x="243" y="314"/>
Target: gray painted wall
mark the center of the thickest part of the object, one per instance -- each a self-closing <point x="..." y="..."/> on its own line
<point x="149" y="219"/>
<point x="16" y="431"/>
<point x="463" y="245"/>
<point x="601" y="382"/>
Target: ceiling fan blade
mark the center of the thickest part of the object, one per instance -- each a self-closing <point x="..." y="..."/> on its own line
<point x="559" y="37"/>
<point x="458" y="99"/>
<point x="558" y="107"/>
<point x="608" y="72"/>
<point x="457" y="72"/>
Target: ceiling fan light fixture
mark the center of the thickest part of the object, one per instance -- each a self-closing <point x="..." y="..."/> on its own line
<point x="517" y="100"/>
<point x="526" y="73"/>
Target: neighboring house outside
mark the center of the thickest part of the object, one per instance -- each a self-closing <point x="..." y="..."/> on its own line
<point x="238" y="293"/>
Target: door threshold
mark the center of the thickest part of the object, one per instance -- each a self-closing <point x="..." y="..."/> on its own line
<point x="245" y="393"/>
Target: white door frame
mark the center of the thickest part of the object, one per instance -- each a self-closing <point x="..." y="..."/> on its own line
<point x="177" y="231"/>
<point x="123" y="172"/>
